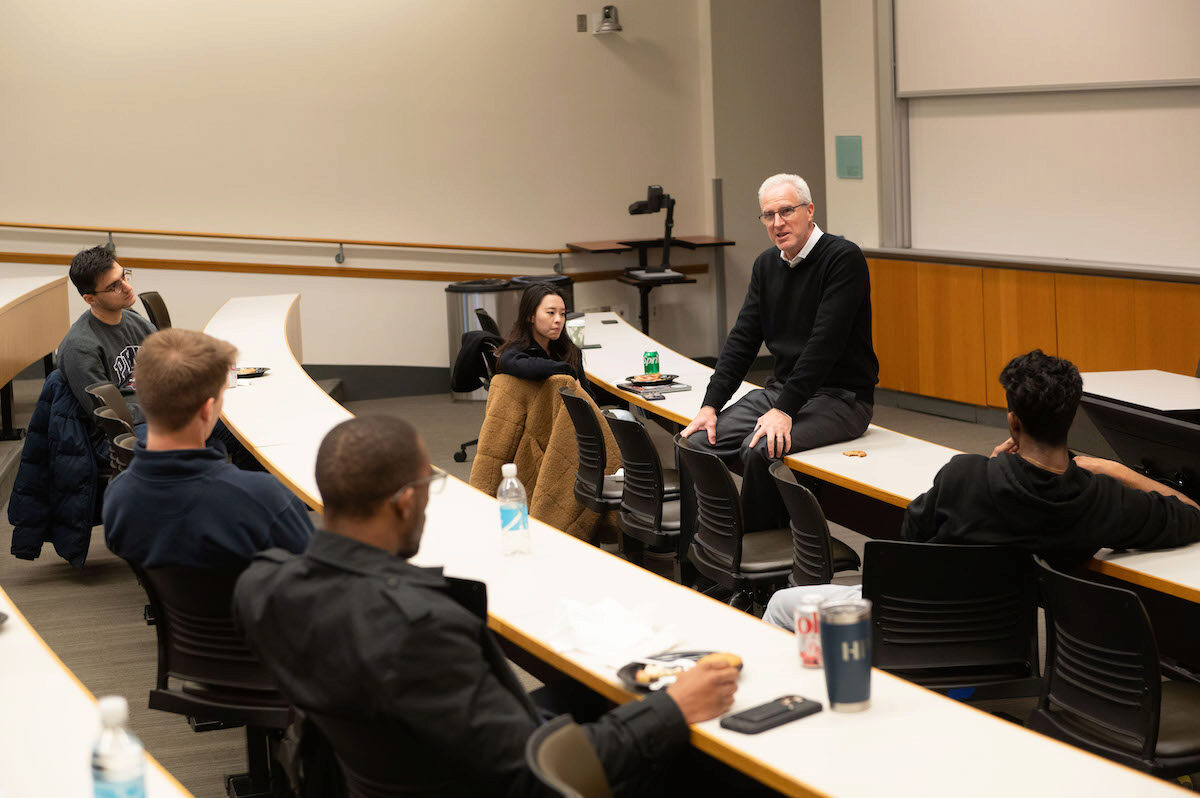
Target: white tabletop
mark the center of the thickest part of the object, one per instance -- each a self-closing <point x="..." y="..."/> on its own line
<point x="923" y="742"/>
<point x="16" y="289"/>
<point x="50" y="721"/>
<point x="1157" y="390"/>
<point x="897" y="468"/>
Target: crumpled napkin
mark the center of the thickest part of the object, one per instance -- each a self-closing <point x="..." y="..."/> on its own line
<point x="610" y="633"/>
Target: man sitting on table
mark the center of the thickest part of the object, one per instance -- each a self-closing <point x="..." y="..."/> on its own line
<point x="351" y="629"/>
<point x="809" y="300"/>
<point x="179" y="502"/>
<point x="1032" y="493"/>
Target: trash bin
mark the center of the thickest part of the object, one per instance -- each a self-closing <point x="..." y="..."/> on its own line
<point x="497" y="296"/>
<point x="564" y="284"/>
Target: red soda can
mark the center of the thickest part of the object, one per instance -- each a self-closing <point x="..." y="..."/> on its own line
<point x="808" y="630"/>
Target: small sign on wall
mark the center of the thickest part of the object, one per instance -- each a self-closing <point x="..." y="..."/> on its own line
<point x="849" y="157"/>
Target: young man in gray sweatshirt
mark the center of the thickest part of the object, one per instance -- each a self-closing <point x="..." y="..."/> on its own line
<point x="102" y="343"/>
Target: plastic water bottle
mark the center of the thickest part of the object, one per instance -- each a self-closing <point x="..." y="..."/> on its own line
<point x="118" y="759"/>
<point x="514" y="512"/>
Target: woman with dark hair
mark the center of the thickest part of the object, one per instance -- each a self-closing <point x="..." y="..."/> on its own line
<point x="537" y="347"/>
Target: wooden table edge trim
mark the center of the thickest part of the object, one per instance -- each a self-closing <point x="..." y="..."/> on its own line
<point x="50" y="284"/>
<point x="1157" y="583"/>
<point x="20" y="616"/>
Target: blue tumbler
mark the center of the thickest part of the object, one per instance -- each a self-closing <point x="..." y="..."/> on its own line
<point x="846" y="646"/>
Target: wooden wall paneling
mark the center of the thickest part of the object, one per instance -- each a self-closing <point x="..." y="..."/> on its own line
<point x="1166" y="326"/>
<point x="1096" y="327"/>
<point x="950" y="351"/>
<point x="1018" y="315"/>
<point x="894" y="322"/>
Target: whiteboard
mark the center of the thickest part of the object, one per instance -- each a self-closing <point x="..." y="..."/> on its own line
<point x="1108" y="176"/>
<point x="974" y="46"/>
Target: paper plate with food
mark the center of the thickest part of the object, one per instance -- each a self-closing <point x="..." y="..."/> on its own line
<point x="652" y="674"/>
<point x="652" y="379"/>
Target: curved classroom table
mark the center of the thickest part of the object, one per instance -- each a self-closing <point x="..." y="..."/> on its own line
<point x="911" y="740"/>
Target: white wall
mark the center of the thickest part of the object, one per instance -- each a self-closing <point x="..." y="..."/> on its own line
<point x="766" y="117"/>
<point x="848" y="68"/>
<point x="444" y="122"/>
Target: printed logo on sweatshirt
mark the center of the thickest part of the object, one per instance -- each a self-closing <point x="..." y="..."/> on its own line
<point x="123" y="365"/>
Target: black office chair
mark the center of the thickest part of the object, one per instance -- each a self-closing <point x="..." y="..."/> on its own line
<point x="156" y="309"/>
<point x="112" y="427"/>
<point x="487" y="323"/>
<point x="105" y="394"/>
<point x="473" y="372"/>
<point x="953" y="618"/>
<point x="220" y="683"/>
<point x="122" y="450"/>
<point x="816" y="554"/>
<point x="593" y="489"/>
<point x="366" y="752"/>
<point x="563" y="758"/>
<point x="1103" y="690"/>
<point x="751" y="564"/>
<point x="649" y="516"/>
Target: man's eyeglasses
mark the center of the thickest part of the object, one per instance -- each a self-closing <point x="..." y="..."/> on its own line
<point x="120" y="285"/>
<point x="786" y="212"/>
<point x="436" y="481"/>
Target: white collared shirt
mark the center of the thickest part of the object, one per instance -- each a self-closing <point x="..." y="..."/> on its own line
<point x="813" y="237"/>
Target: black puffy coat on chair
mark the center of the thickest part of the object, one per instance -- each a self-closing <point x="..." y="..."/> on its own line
<point x="56" y="496"/>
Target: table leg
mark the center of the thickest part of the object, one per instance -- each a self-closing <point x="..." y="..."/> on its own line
<point x="644" y="313"/>
<point x="7" y="433"/>
<point x="48" y="364"/>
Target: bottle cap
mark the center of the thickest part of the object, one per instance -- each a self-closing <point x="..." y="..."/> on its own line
<point x="114" y="710"/>
<point x="508" y="470"/>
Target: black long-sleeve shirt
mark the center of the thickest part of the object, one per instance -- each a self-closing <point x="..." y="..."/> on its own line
<point x="815" y="318"/>
<point x="1008" y="501"/>
<point x="349" y="630"/>
<point x="536" y="363"/>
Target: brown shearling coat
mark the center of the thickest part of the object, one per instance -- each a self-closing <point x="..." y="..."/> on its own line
<point x="527" y="423"/>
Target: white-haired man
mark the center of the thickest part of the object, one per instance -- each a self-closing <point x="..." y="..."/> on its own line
<point x="809" y="300"/>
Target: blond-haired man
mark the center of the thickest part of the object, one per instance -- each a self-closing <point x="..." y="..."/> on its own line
<point x="179" y="502"/>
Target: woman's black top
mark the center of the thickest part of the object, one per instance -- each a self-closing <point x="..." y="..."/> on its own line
<point x="535" y="363"/>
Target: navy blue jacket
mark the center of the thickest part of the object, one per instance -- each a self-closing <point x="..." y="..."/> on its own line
<point x="57" y="494"/>
<point x="190" y="508"/>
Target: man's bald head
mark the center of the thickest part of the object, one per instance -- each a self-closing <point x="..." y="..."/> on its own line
<point x="364" y="461"/>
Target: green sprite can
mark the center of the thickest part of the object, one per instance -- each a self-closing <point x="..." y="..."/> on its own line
<point x="650" y="362"/>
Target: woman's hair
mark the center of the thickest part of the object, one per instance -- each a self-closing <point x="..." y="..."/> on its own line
<point x="520" y="337"/>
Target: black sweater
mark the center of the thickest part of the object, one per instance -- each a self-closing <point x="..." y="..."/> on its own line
<point x="815" y="318"/>
<point x="536" y="363"/>
<point x="1007" y="501"/>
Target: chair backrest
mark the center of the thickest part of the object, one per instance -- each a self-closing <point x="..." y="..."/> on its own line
<point x="812" y="556"/>
<point x="719" y="525"/>
<point x="488" y="354"/>
<point x="198" y="639"/>
<point x="111" y="423"/>
<point x="105" y="394"/>
<point x="589" y="478"/>
<point x="561" y="755"/>
<point x="643" y="491"/>
<point x="156" y="309"/>
<point x="940" y="606"/>
<point x="487" y="323"/>
<point x="122" y="450"/>
<point x="1102" y="669"/>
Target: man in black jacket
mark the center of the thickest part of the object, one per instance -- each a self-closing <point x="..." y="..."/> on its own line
<point x="809" y="300"/>
<point x="1031" y="493"/>
<point x="352" y="630"/>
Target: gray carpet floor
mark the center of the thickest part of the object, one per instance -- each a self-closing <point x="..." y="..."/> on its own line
<point x="93" y="618"/>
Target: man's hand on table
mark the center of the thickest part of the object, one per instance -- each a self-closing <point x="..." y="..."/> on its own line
<point x="706" y="420"/>
<point x="705" y="691"/>
<point x="776" y="426"/>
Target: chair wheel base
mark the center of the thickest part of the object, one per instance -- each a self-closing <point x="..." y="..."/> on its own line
<point x="242" y="786"/>
<point x="460" y="457"/>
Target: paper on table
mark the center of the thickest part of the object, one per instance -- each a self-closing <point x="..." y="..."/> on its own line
<point x="609" y="632"/>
